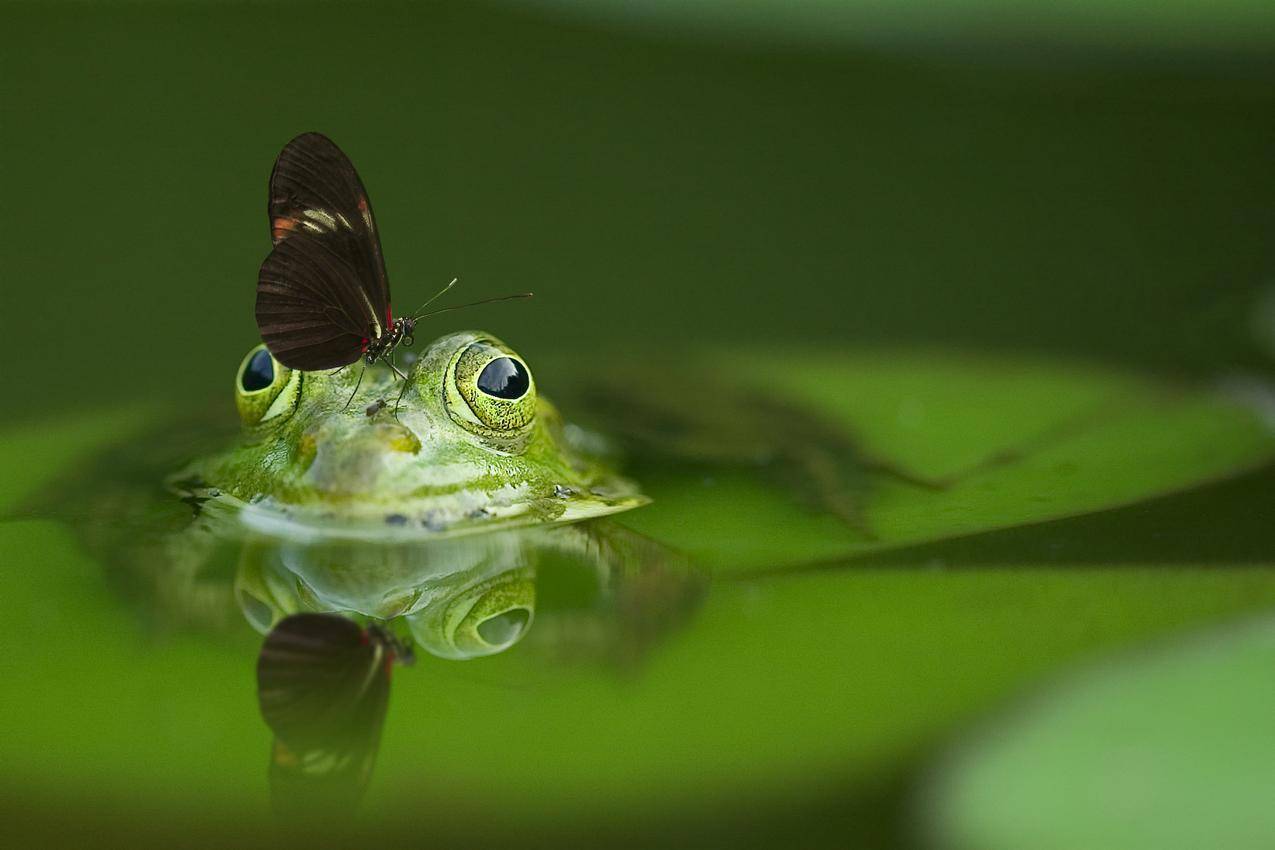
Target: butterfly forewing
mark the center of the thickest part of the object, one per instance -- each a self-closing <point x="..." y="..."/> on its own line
<point x="322" y="294"/>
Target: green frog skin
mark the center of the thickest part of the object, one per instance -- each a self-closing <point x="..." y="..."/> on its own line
<point x="469" y="445"/>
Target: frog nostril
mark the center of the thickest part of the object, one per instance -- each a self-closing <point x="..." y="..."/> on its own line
<point x="504" y="628"/>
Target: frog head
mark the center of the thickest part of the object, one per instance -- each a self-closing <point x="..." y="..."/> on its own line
<point x="461" y="440"/>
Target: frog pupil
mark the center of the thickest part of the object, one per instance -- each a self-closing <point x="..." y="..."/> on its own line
<point x="504" y="378"/>
<point x="259" y="373"/>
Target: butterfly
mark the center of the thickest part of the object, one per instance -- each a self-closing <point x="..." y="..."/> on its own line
<point x="323" y="685"/>
<point x="323" y="297"/>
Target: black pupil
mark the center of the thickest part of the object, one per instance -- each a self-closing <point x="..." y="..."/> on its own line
<point x="260" y="372"/>
<point x="504" y="377"/>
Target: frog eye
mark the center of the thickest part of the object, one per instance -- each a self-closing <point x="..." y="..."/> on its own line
<point x="258" y="371"/>
<point x="264" y="387"/>
<point x="491" y="391"/>
<point x="504" y="378"/>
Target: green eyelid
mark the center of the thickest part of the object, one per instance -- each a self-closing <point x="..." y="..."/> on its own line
<point x="499" y="419"/>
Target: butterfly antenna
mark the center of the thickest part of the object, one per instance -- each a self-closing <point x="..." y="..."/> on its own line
<point x="439" y="294"/>
<point x="472" y="304"/>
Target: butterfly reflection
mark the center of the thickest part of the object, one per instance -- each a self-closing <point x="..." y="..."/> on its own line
<point x="323" y="683"/>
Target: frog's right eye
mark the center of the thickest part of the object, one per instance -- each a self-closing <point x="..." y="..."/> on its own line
<point x="264" y="387"/>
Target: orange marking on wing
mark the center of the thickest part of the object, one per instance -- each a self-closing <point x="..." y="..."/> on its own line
<point x="362" y="203"/>
<point x="281" y="227"/>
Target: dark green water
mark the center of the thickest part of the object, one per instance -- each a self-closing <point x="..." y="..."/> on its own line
<point x="656" y="189"/>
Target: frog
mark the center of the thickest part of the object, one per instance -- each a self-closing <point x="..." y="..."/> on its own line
<point x="467" y="445"/>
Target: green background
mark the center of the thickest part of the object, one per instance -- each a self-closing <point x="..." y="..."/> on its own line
<point x="650" y="183"/>
<point x="1021" y="181"/>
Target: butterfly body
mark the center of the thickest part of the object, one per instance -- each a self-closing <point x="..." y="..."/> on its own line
<point x="401" y="332"/>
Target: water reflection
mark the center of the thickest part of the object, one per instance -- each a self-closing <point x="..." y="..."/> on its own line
<point x="338" y="613"/>
<point x="613" y="592"/>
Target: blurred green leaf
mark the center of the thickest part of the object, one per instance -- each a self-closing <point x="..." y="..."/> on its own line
<point x="1164" y="749"/>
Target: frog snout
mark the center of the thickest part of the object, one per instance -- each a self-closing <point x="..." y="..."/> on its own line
<point x="352" y="462"/>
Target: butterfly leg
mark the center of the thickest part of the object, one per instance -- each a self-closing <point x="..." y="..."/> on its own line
<point x="402" y="389"/>
<point x="355" y="391"/>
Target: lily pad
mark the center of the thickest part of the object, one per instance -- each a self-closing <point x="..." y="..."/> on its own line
<point x="1171" y="748"/>
<point x="1012" y="441"/>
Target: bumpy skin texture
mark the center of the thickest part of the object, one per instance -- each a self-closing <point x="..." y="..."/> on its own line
<point x="313" y="455"/>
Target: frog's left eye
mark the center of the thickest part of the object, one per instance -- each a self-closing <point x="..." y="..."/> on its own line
<point x="264" y="387"/>
<point x="490" y="391"/>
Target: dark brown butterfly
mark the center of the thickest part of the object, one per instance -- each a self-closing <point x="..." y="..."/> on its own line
<point x="323" y="297"/>
<point x="323" y="684"/>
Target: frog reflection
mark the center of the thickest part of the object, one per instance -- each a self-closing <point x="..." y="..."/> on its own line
<point x="476" y="595"/>
<point x="459" y="598"/>
<point x="452" y="598"/>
